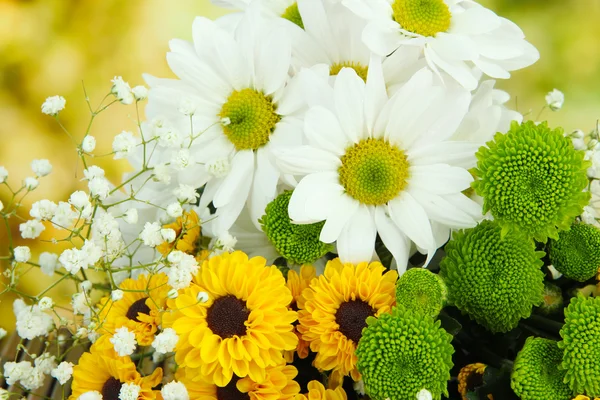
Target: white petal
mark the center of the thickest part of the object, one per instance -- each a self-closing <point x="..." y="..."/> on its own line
<point x="393" y="239"/>
<point x="465" y="204"/>
<point x="357" y="240"/>
<point x="315" y="82"/>
<point x="460" y="154"/>
<point x="382" y="36"/>
<point x="310" y="201"/>
<point x="273" y="62"/>
<point x="375" y="91"/>
<point x="305" y="160"/>
<point x="339" y="214"/>
<point x="242" y="169"/>
<point x="410" y="217"/>
<point x="491" y="69"/>
<point x="474" y="21"/>
<point x="264" y="187"/>
<point x="454" y="47"/>
<point x="349" y="94"/>
<point x="323" y="130"/>
<point x="233" y="64"/>
<point x="288" y="133"/>
<point x="226" y="216"/>
<point x="456" y="69"/>
<point x="208" y="194"/>
<point x="442" y="211"/>
<point x="439" y="178"/>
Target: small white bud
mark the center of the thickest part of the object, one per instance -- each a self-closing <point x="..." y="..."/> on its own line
<point x="172" y="294"/>
<point x="225" y="121"/>
<point x="168" y="235"/>
<point x="53" y="105"/>
<point x="116" y="295"/>
<point x="22" y="254"/>
<point x="174" y="210"/>
<point x="202" y="297"/>
<point x="131" y="216"/>
<point x="89" y="144"/>
<point x="140" y="92"/>
<point x="45" y="303"/>
<point x="86" y="286"/>
<point x="555" y="99"/>
<point x="30" y="183"/>
<point x="41" y="167"/>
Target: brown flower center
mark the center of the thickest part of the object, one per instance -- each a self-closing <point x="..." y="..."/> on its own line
<point x="231" y="392"/>
<point x="352" y="318"/>
<point x="138" y="307"/>
<point x="227" y="317"/>
<point x="111" y="389"/>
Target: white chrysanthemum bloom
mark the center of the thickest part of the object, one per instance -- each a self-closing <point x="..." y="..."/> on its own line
<point x="383" y="166"/>
<point x="165" y="341"/>
<point x="31" y="229"/>
<point x="63" y="372"/>
<point x="454" y="35"/>
<point x="88" y="144"/>
<point x="555" y="99"/>
<point x="129" y="391"/>
<point x="48" y="263"/>
<point x="238" y="77"/>
<point x="31" y="183"/>
<point x="31" y="321"/>
<point x="123" y="341"/>
<point x="22" y="254"/>
<point x="53" y="105"/>
<point x="41" y="167"/>
<point x="174" y="391"/>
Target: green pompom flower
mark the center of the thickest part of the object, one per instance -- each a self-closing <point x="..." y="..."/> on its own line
<point x="535" y="376"/>
<point x="531" y="179"/>
<point x="401" y="353"/>
<point x="298" y="244"/>
<point x="581" y="345"/>
<point x="495" y="280"/>
<point x="576" y="253"/>
<point x="422" y="291"/>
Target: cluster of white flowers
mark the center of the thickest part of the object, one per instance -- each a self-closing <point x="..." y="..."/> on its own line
<point x="124" y="341"/>
<point x="182" y="268"/>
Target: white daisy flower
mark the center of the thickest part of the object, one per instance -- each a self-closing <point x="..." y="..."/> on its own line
<point x="459" y="37"/>
<point x="383" y="166"/>
<point x="244" y="116"/>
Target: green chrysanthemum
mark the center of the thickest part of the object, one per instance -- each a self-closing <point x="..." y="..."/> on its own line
<point x="495" y="280"/>
<point x="422" y="291"/>
<point x="531" y="179"/>
<point x="402" y="353"/>
<point x="299" y="244"/>
<point x="581" y="345"/>
<point x="576" y="253"/>
<point x="535" y="376"/>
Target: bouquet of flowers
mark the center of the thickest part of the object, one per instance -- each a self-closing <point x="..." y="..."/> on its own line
<point x="331" y="201"/>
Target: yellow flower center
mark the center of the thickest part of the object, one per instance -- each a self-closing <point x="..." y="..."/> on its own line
<point x="251" y="119"/>
<point x="424" y="17"/>
<point x="373" y="171"/>
<point x="293" y="14"/>
<point x="361" y="70"/>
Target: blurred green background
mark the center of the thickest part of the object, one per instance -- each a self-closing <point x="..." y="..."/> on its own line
<point x="49" y="47"/>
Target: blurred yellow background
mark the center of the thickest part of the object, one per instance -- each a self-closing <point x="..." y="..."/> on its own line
<point x="49" y="47"/>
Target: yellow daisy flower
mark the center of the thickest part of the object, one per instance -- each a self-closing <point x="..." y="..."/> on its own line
<point x="316" y="391"/>
<point x="139" y="310"/>
<point x="105" y="372"/>
<point x="334" y="309"/>
<point x="243" y="327"/>
<point x="582" y="397"/>
<point x="278" y="384"/>
<point x="189" y="225"/>
<point x="297" y="283"/>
